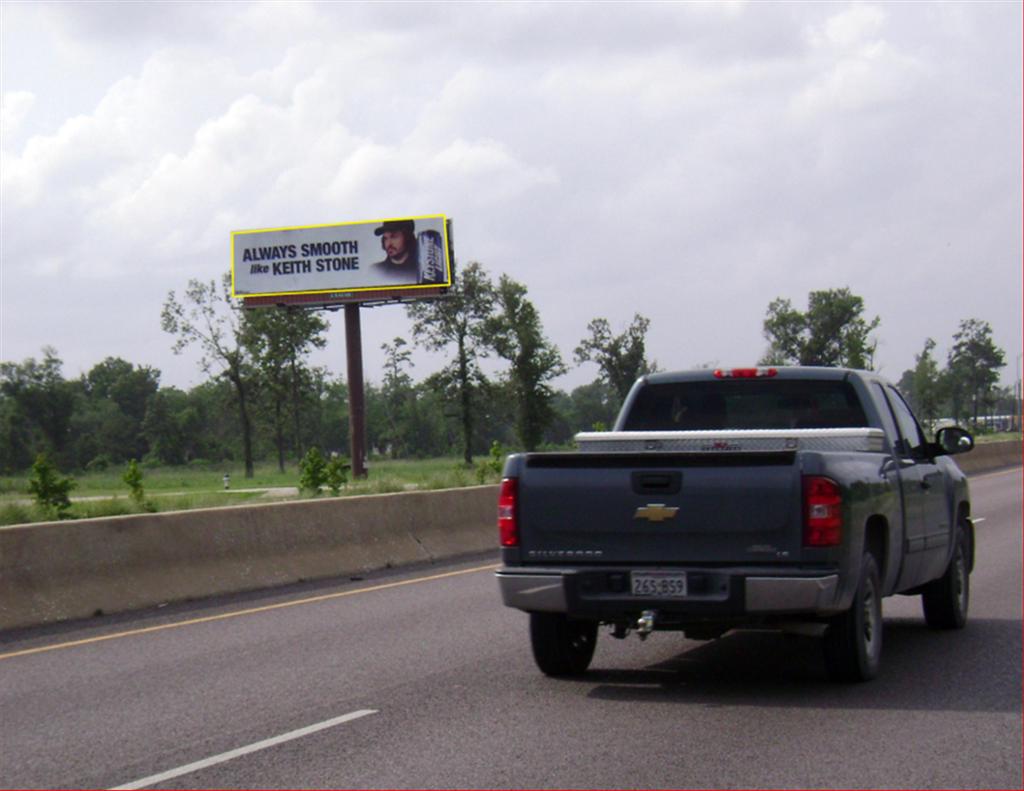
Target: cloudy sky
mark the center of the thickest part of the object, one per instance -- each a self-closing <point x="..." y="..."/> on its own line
<point x="687" y="161"/>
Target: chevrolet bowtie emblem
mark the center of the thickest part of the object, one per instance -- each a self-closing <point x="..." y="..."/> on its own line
<point x="655" y="512"/>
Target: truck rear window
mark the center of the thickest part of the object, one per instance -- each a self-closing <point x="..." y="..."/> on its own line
<point x="745" y="404"/>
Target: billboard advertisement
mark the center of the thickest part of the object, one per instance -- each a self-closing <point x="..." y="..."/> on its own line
<point x="397" y="257"/>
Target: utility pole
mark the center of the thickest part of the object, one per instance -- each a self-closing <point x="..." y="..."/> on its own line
<point x="356" y="395"/>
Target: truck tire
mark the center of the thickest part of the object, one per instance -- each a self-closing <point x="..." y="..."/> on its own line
<point x="853" y="640"/>
<point x="562" y="647"/>
<point x="946" y="599"/>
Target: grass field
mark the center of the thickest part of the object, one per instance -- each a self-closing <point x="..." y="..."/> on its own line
<point x="182" y="488"/>
<point x="1006" y="436"/>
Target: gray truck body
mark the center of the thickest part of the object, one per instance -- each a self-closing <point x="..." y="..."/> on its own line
<point x="692" y="512"/>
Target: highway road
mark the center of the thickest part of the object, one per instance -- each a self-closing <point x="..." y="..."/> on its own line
<point x="422" y="679"/>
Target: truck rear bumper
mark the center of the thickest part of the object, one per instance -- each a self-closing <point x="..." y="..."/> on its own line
<point x="790" y="594"/>
<point x="604" y="593"/>
<point x="533" y="592"/>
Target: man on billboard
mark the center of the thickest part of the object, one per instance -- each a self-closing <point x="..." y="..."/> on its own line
<point x="402" y="262"/>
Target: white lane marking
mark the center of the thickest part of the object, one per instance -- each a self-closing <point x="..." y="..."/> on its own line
<point x="252" y="748"/>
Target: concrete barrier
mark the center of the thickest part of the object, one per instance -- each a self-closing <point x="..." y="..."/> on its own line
<point x="988" y="456"/>
<point x="60" y="570"/>
<point x="56" y="571"/>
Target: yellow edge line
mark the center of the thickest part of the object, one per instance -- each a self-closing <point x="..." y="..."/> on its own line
<point x="251" y="611"/>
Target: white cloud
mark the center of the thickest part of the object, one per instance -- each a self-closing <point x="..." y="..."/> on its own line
<point x="14" y="107"/>
<point x="875" y="76"/>
<point x="854" y="68"/>
<point x="152" y="169"/>
<point x="690" y="161"/>
<point x="852" y="27"/>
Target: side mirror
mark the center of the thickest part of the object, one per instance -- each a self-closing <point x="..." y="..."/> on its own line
<point x="953" y="440"/>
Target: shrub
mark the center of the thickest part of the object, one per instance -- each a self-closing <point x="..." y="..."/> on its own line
<point x="492" y="467"/>
<point x="49" y="488"/>
<point x="336" y="474"/>
<point x="133" y="477"/>
<point x="312" y="471"/>
<point x="457" y="479"/>
<point x="99" y="464"/>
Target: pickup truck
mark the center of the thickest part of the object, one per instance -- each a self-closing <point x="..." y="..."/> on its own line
<point x="791" y="498"/>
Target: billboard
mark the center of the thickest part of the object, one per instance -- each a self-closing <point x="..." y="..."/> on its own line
<point x="393" y="258"/>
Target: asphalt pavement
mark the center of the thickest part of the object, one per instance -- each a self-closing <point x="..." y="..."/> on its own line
<point x="422" y="679"/>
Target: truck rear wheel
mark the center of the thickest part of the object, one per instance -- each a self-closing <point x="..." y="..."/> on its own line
<point x="853" y="640"/>
<point x="945" y="600"/>
<point x="561" y="646"/>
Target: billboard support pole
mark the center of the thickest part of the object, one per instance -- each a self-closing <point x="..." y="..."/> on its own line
<point x="356" y="395"/>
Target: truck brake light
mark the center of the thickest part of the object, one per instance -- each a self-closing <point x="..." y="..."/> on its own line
<point x="823" y="513"/>
<point x="508" y="528"/>
<point x="745" y="373"/>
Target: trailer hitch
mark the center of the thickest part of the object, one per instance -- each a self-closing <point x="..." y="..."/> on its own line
<point x="645" y="624"/>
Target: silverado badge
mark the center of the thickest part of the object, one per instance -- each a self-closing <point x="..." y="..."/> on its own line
<point x="655" y="512"/>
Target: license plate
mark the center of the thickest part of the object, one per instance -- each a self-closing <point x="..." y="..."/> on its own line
<point x="658" y="583"/>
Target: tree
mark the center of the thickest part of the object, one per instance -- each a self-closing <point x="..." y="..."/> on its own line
<point x="593" y="407"/>
<point x="213" y="409"/>
<point x="832" y="332"/>
<point x="1004" y="402"/>
<point x="425" y="432"/>
<point x="207" y="318"/>
<point x="42" y="398"/>
<point x="327" y="418"/>
<point x="108" y="421"/>
<point x="278" y="340"/>
<point x="403" y="418"/>
<point x="621" y="358"/>
<point x="923" y="385"/>
<point x="101" y="434"/>
<point x="172" y="426"/>
<point x="458" y="321"/>
<point x="397" y="392"/>
<point x="974" y="363"/>
<point x="120" y="381"/>
<point x="496" y="416"/>
<point x="15" y="437"/>
<point x="516" y="335"/>
<point x="378" y="430"/>
<point x="559" y="429"/>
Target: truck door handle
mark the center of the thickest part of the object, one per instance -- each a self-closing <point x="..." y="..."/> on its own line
<point x="925" y="485"/>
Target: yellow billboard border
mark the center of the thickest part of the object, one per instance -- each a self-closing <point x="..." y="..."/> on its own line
<point x="358" y="289"/>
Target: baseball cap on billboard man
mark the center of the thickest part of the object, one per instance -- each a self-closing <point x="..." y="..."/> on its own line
<point x="401" y="261"/>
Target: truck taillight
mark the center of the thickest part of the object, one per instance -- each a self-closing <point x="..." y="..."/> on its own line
<point x="745" y="373"/>
<point x="823" y="512"/>
<point x="508" y="528"/>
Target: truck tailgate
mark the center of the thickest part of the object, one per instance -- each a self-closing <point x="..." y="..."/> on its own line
<point x="660" y="508"/>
